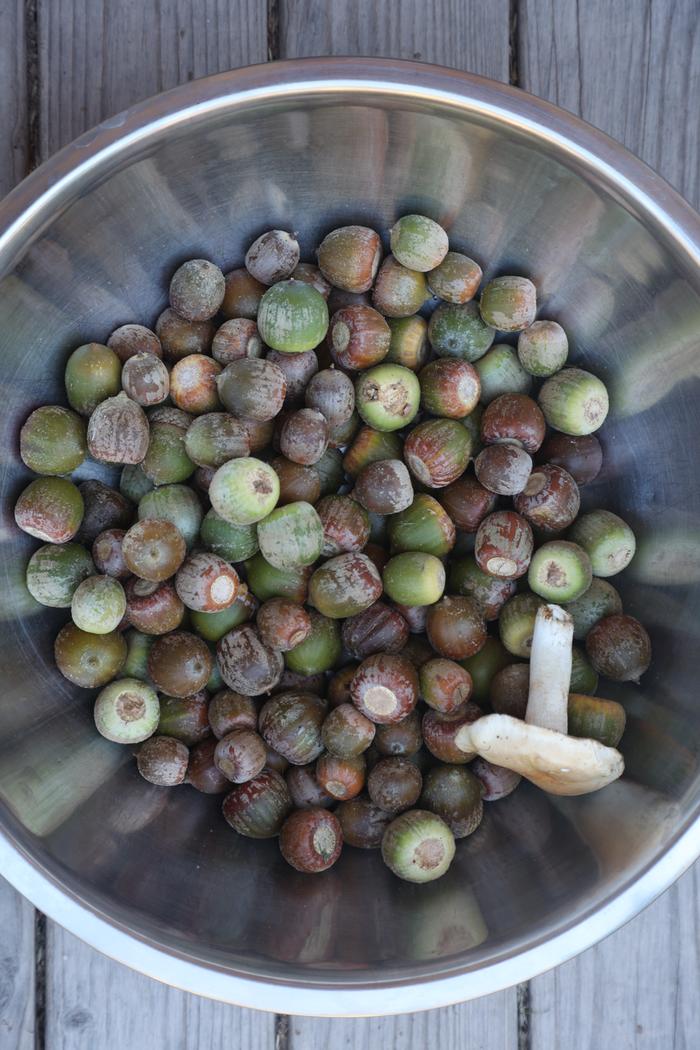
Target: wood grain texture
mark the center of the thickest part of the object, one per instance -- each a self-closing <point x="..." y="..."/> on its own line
<point x="16" y="970"/>
<point x="638" y="990"/>
<point x="13" y="95"/>
<point x="93" y="1003"/>
<point x="467" y="34"/>
<point x="486" y="1024"/>
<point x="99" y="56"/>
<point x="632" y="70"/>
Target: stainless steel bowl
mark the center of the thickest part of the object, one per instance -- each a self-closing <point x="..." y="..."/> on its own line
<point x="155" y="878"/>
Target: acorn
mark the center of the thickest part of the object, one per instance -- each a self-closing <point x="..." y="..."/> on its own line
<point x="345" y="525"/>
<point x="385" y="688"/>
<point x="291" y="536"/>
<point x="206" y="583"/>
<point x="358" y="337"/>
<point x="291" y="723"/>
<point x="272" y="256"/>
<point x="543" y="348"/>
<point x="131" y="339"/>
<point x="310" y="274"/>
<point x="304" y="436"/>
<point x="384" y="487"/>
<point x="409" y="342"/>
<point x="514" y="418"/>
<point x="331" y="393"/>
<point x="378" y="629"/>
<point x="319" y="651"/>
<point x="118" y="431"/>
<point x="456" y="279"/>
<point x="153" y="608"/>
<point x="145" y="379"/>
<point x="258" y="808"/>
<point x="52" y="440"/>
<point x="619" y="647"/>
<point x="342" y="778"/>
<point x="371" y="446"/>
<point x="449" y="388"/>
<point x="500" y="372"/>
<point x="503" y="545"/>
<point x="344" y="586"/>
<point x="458" y="330"/>
<point x="50" y="509"/>
<point x="437" y="451"/>
<point x="282" y="624"/>
<point x="444" y="685"/>
<point x="349" y="257"/>
<point x="177" y="504"/>
<point x="242" y="295"/>
<point x="253" y="388"/>
<point x="311" y="840"/>
<point x="296" y="482"/>
<point x="467" y="502"/>
<point x="455" y="627"/>
<point x="550" y="499"/>
<point x="298" y="369"/>
<point x="179" y="337"/>
<point x="293" y="317"/>
<point x="581" y="456"/>
<point x="503" y="469"/>
<point x="398" y="290"/>
<point x="509" y="304"/>
<point x="387" y="397"/>
<point x="197" y="290"/>
<point x="246" y="664"/>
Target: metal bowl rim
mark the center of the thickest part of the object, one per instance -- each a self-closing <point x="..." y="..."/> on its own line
<point x="37" y="201"/>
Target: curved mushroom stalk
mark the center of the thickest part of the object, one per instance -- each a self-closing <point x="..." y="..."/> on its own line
<point x="538" y="748"/>
<point x="550" y="669"/>
<point x="559" y="764"/>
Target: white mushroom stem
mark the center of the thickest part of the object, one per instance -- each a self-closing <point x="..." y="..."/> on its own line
<point x="550" y="669"/>
<point x="539" y="748"/>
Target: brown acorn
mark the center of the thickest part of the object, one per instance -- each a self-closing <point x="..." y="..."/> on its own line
<point x="504" y="545"/>
<point x="206" y="583"/>
<point x="146" y="379"/>
<point x="118" y="431"/>
<point x="358" y="337"/>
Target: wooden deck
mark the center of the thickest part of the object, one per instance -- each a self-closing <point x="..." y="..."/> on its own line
<point x="632" y="67"/>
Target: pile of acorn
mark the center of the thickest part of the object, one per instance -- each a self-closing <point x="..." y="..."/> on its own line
<point x="302" y="594"/>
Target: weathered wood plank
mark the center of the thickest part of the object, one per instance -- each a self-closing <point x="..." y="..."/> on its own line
<point x="13" y="95"/>
<point x="638" y="990"/>
<point x="92" y="1002"/>
<point x="16" y="970"/>
<point x="486" y="1024"/>
<point x="99" y="56"/>
<point x="467" y="34"/>
<point x="632" y="71"/>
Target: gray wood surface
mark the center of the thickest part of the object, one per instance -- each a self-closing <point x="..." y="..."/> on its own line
<point x="467" y="34"/>
<point x="637" y="990"/>
<point x="631" y="69"/>
<point x="13" y="95"/>
<point x="95" y="1004"/>
<point x="17" y="968"/>
<point x="490" y="1023"/>
<point x="96" y="57"/>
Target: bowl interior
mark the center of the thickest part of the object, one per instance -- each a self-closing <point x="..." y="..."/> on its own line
<point x="163" y="863"/>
